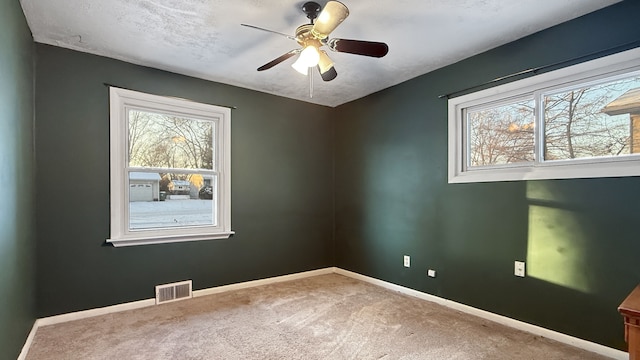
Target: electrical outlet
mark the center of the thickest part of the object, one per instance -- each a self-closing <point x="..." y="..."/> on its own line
<point x="431" y="273"/>
<point x="518" y="269"/>
<point x="407" y="261"/>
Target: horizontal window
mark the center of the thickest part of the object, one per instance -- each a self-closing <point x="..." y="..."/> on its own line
<point x="580" y="121"/>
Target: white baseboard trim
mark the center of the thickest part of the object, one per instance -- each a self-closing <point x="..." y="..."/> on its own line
<point x="27" y="343"/>
<point x="254" y="283"/>
<point x="196" y="293"/>
<point x="50" y="320"/>
<point x="516" y="324"/>
<point x="537" y="330"/>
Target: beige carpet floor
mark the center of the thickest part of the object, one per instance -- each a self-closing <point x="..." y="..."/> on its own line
<point x="323" y="317"/>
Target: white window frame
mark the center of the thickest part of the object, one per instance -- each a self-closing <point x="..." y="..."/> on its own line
<point x="121" y="100"/>
<point x="618" y="64"/>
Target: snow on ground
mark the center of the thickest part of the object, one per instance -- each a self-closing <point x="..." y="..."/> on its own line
<point x="170" y="213"/>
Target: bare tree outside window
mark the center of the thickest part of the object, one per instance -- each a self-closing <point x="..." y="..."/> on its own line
<point x="502" y="134"/>
<point x="576" y="126"/>
<point x="165" y="141"/>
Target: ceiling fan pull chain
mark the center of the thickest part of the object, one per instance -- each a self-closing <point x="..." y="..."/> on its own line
<point x="310" y="83"/>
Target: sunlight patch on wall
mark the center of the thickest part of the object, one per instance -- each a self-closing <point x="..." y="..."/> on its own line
<point x="557" y="244"/>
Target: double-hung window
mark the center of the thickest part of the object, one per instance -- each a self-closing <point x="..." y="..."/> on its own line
<point x="170" y="169"/>
<point x="578" y="122"/>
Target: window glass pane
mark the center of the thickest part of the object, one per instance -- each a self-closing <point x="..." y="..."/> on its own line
<point x="167" y="141"/>
<point x="169" y="200"/>
<point x="501" y="135"/>
<point x="594" y="121"/>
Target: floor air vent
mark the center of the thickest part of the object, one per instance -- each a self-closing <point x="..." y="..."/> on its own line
<point x="173" y="292"/>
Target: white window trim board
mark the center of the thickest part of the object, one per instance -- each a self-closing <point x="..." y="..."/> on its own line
<point x="120" y="100"/>
<point x="608" y="66"/>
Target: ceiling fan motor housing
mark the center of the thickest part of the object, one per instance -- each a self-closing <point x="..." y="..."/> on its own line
<point x="312" y="9"/>
<point x="304" y="37"/>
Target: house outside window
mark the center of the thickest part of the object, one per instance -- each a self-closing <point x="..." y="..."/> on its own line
<point x="170" y="169"/>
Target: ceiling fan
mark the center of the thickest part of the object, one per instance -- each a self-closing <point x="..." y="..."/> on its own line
<point x="311" y="37"/>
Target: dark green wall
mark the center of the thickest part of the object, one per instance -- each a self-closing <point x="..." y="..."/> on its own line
<point x="391" y="194"/>
<point x="17" y="240"/>
<point x="282" y="209"/>
<point x="579" y="237"/>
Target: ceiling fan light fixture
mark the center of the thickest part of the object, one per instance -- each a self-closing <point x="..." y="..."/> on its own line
<point x="324" y="62"/>
<point x="304" y="70"/>
<point x="309" y="57"/>
<point x="326" y="16"/>
<point x="332" y="15"/>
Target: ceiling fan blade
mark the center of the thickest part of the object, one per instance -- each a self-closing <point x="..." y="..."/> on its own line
<point x="332" y="15"/>
<point x="329" y="74"/>
<point x="278" y="60"/>
<point x="359" y="47"/>
<point x="270" y="31"/>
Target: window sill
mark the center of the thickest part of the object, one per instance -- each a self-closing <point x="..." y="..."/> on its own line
<point x="134" y="241"/>
<point x="559" y="170"/>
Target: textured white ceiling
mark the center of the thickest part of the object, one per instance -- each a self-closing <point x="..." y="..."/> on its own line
<point x="203" y="38"/>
